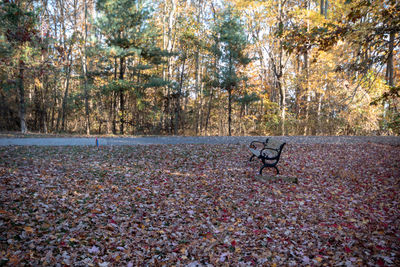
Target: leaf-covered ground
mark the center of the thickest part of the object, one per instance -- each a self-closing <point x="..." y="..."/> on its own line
<point x="199" y="205"/>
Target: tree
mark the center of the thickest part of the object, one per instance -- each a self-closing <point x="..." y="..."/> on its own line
<point x="181" y="67"/>
<point x="122" y="24"/>
<point x="278" y="62"/>
<point x="232" y="42"/>
<point x="85" y="67"/>
<point x="19" y="35"/>
<point x="131" y="40"/>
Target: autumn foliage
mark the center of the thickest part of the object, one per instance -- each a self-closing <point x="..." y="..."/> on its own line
<point x="229" y="67"/>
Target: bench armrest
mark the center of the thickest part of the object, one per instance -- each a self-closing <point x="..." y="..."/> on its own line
<point x="253" y="143"/>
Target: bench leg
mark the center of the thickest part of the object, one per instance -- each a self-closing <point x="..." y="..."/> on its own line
<point x="251" y="158"/>
<point x="277" y="171"/>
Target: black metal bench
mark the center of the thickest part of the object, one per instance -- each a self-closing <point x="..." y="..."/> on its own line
<point x="268" y="152"/>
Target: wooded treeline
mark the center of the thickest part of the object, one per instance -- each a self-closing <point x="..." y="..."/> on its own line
<point x="197" y="67"/>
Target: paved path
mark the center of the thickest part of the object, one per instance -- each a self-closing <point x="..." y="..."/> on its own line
<point x="392" y="140"/>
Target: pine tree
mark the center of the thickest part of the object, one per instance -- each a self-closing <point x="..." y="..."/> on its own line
<point x="230" y="50"/>
<point x="130" y="39"/>
<point x="18" y="35"/>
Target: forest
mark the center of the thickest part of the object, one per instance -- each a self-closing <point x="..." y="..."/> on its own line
<point x="200" y="67"/>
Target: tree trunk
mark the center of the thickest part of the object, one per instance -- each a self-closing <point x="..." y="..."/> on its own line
<point x="170" y="43"/>
<point x="389" y="73"/>
<point x="389" y="65"/>
<point x="53" y="108"/>
<point x="229" y="111"/>
<point x="84" y="68"/>
<point x="323" y="8"/>
<point x="307" y="90"/>
<point x="298" y="102"/>
<point x="326" y="8"/>
<point x="109" y="112"/>
<point x="209" y="110"/>
<point x="122" y="96"/>
<point x="277" y="67"/>
<point x="178" y="99"/>
<point x="44" y="102"/>
<point x="197" y="89"/>
<point x="37" y="111"/>
<point x="114" y="101"/>
<point x="164" y="68"/>
<point x="319" y="120"/>
<point x="306" y="73"/>
<point x="282" y="94"/>
<point x="69" y="63"/>
<point x="66" y="91"/>
<point x="21" y="91"/>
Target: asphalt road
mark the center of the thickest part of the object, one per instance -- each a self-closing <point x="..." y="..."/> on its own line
<point x="112" y="141"/>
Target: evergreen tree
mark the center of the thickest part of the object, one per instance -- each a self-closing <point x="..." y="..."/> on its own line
<point x="230" y="49"/>
<point x="130" y="40"/>
<point x="18" y="36"/>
